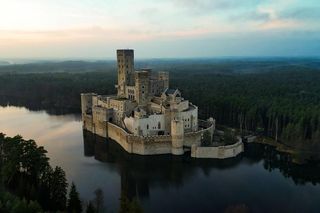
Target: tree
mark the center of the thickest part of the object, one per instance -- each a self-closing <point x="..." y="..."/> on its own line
<point x="74" y="202"/>
<point x="25" y="170"/>
<point x="98" y="200"/>
<point x="58" y="189"/>
<point x="135" y="206"/>
<point x="129" y="206"/>
<point x="90" y="208"/>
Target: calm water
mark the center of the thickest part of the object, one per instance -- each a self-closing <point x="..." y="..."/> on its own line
<point x="261" y="180"/>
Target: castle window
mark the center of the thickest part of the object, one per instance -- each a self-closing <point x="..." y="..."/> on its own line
<point x="159" y="125"/>
<point x="142" y="92"/>
<point x="147" y="126"/>
<point x="142" y="87"/>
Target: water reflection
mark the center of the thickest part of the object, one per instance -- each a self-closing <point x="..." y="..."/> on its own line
<point x="273" y="160"/>
<point x="259" y="180"/>
<point x="142" y="177"/>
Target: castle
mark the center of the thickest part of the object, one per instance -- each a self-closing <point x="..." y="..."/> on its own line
<point x="146" y="116"/>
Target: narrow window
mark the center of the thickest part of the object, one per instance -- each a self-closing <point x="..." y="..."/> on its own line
<point x="159" y="125"/>
<point x="147" y="126"/>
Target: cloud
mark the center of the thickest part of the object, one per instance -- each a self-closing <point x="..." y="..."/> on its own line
<point x="209" y="5"/>
<point x="306" y="13"/>
<point x="279" y="24"/>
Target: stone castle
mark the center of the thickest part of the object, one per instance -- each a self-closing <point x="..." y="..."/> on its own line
<point x="146" y="116"/>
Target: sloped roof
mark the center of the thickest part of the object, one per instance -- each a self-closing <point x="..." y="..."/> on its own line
<point x="170" y="91"/>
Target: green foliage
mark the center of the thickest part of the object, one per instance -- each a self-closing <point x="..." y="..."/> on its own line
<point x="25" y="170"/>
<point x="58" y="189"/>
<point x="129" y="206"/>
<point x="74" y="202"/>
<point x="10" y="203"/>
<point x="90" y="208"/>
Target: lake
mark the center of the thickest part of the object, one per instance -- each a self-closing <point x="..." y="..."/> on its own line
<point x="260" y="180"/>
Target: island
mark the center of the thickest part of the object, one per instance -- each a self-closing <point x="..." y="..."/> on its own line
<point x="147" y="117"/>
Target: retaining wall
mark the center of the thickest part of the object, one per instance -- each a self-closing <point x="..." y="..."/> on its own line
<point x="219" y="152"/>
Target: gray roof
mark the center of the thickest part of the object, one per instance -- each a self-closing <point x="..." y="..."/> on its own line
<point x="170" y="91"/>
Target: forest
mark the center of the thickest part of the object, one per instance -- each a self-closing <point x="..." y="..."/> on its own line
<point x="277" y="98"/>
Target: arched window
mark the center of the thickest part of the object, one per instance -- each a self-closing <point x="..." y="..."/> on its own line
<point x="147" y="126"/>
<point x="159" y="125"/>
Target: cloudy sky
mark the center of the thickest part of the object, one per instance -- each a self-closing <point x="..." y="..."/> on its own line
<point x="159" y="28"/>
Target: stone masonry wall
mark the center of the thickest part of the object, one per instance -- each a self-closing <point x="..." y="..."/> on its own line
<point x="220" y="152"/>
<point x="142" y="145"/>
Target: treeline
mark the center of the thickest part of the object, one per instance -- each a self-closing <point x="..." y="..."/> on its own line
<point x="29" y="184"/>
<point x="282" y="105"/>
<point x="58" y="92"/>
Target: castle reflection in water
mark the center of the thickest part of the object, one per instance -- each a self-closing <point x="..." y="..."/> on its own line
<point x="140" y="173"/>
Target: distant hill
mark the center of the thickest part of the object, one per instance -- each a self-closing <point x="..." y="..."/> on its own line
<point x="203" y="65"/>
<point x="3" y="63"/>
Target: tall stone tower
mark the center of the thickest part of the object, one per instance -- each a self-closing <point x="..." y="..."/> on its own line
<point x="125" y="61"/>
<point x="142" y="86"/>
<point x="177" y="136"/>
<point x="164" y="77"/>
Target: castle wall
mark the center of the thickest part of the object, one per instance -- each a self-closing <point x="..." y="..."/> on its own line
<point x="100" y="128"/>
<point x="87" y="123"/>
<point x="151" y="145"/>
<point x="220" y="152"/>
<point x="163" y="144"/>
<point x="139" y="144"/>
<point x="120" y="136"/>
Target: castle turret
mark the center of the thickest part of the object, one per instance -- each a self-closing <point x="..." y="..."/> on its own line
<point x="125" y="61"/>
<point x="86" y="102"/>
<point x="177" y="134"/>
<point x="142" y="78"/>
<point x="164" y="78"/>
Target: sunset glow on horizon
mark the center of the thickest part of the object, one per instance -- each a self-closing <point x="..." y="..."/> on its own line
<point x="177" y="28"/>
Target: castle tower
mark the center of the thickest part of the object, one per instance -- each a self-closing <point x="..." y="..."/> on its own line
<point x="142" y="79"/>
<point x="86" y="102"/>
<point x="164" y="77"/>
<point x="125" y="61"/>
<point x="177" y="134"/>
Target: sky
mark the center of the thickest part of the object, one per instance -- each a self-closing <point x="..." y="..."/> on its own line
<point x="159" y="28"/>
